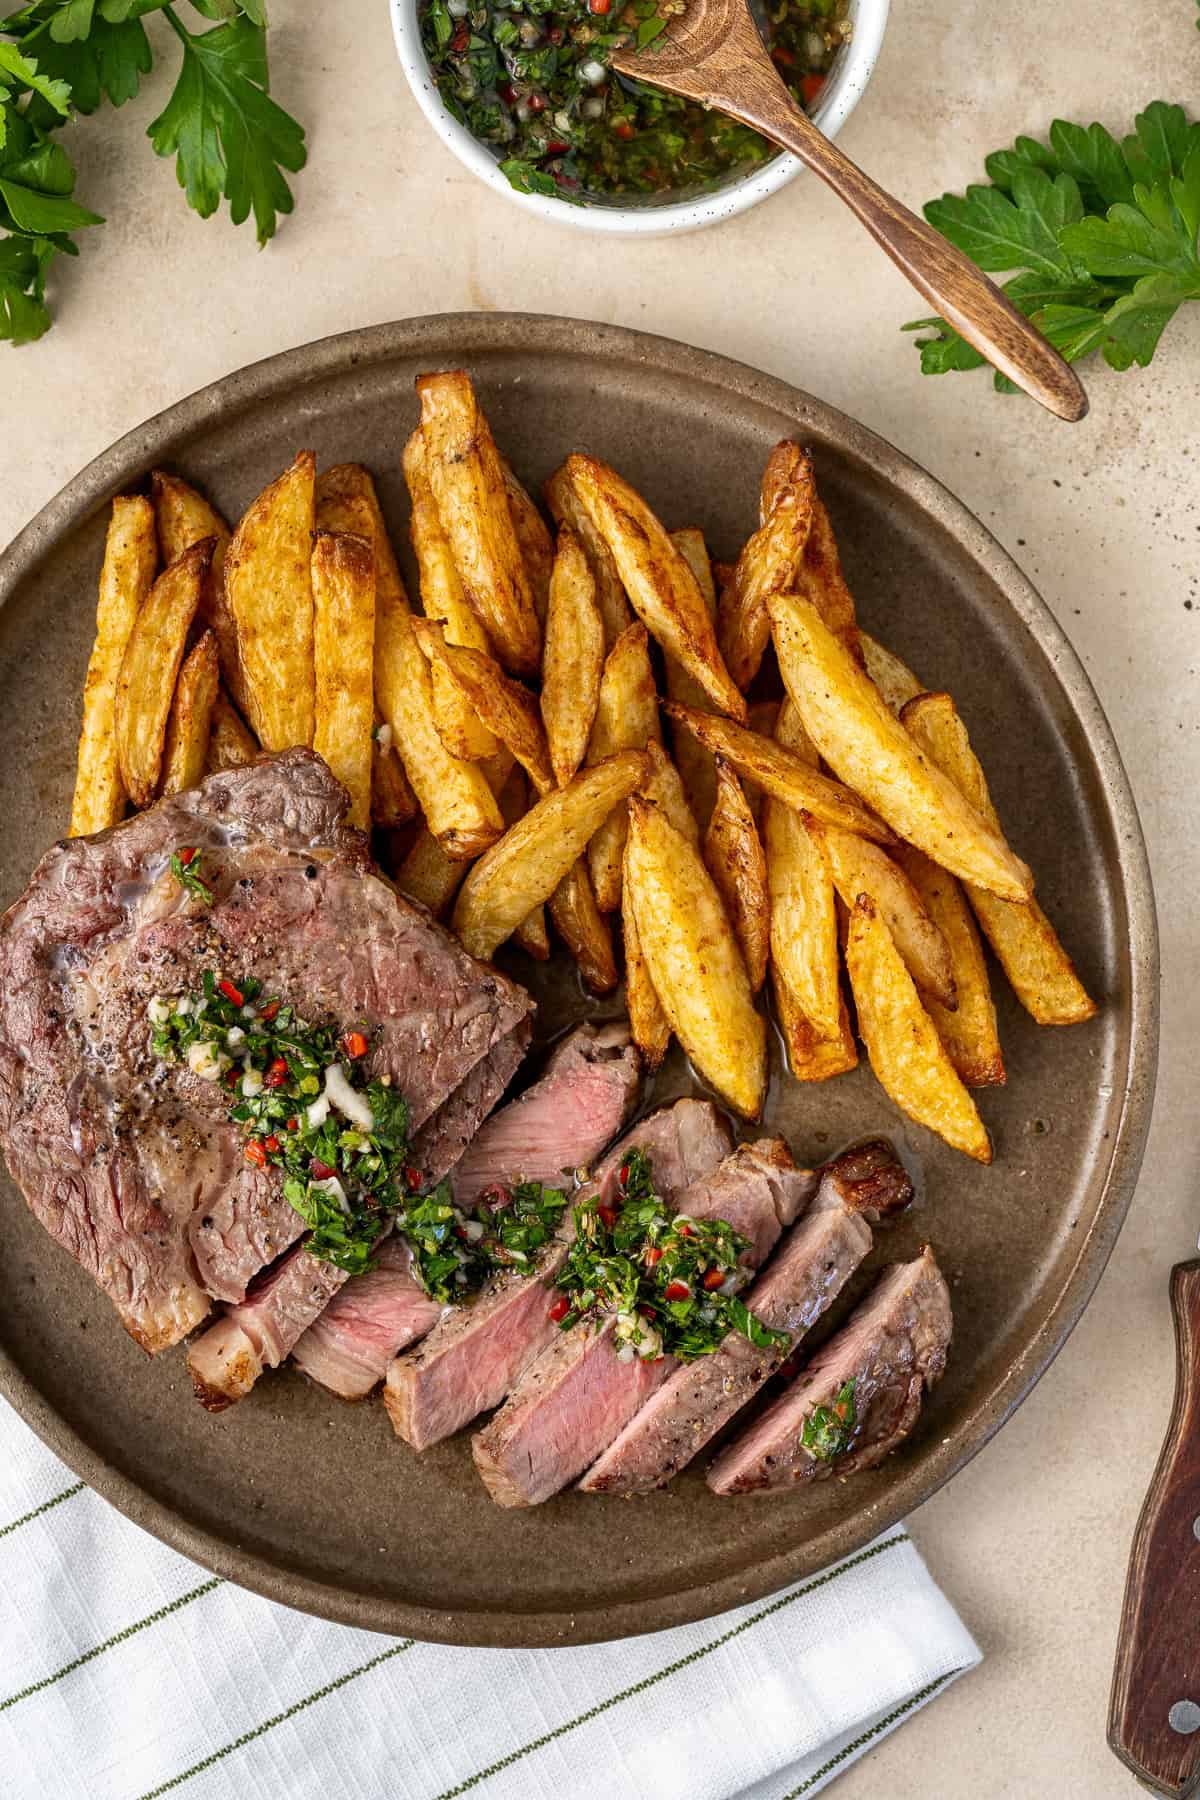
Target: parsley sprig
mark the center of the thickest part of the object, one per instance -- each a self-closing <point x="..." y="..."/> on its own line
<point x="60" y="58"/>
<point x="1105" y="236"/>
<point x="829" y="1430"/>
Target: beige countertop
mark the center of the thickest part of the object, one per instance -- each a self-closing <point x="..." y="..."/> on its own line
<point x="1031" y="1540"/>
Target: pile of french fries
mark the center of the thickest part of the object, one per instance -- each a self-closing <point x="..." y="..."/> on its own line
<point x="508" y="738"/>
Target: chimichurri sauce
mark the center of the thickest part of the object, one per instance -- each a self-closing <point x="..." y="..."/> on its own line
<point x="530" y="79"/>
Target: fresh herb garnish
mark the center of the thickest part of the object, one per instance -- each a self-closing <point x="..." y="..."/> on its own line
<point x="1106" y="237"/>
<point x="455" y="1252"/>
<point x="185" y="867"/>
<point x="671" y="1282"/>
<point x="828" y="1430"/>
<point x="62" y="57"/>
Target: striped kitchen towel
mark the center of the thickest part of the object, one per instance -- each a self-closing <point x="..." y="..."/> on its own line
<point x="127" y="1672"/>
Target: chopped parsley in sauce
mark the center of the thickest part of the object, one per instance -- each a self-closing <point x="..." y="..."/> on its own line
<point x="828" y="1430"/>
<point x="671" y="1281"/>
<point x="531" y="80"/>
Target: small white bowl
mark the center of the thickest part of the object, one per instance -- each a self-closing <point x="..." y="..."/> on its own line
<point x="842" y="91"/>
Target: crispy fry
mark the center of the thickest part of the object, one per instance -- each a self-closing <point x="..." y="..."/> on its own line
<point x="442" y="597"/>
<point x="533" y="535"/>
<point x="127" y="575"/>
<point x="697" y="764"/>
<point x="566" y="508"/>
<point x="150" y="667"/>
<point x="393" y="802"/>
<point x="648" y="1023"/>
<point x="584" y="929"/>
<point x="189" y="722"/>
<point x="626" y="719"/>
<point x="343" y="586"/>
<point x="812" y="1057"/>
<point x="428" y="876"/>
<point x="525" y="867"/>
<point x="906" y="1052"/>
<point x="663" y="591"/>
<point x="531" y="934"/>
<point x="895" y="680"/>
<point x="862" y="868"/>
<point x="268" y="585"/>
<point x="573" y="657"/>
<point x="664" y="786"/>
<point x="694" y="961"/>
<point x="506" y="708"/>
<point x="804" y="939"/>
<point x="969" y="1032"/>
<point x="769" y="563"/>
<point x="822" y="584"/>
<point x="184" y="517"/>
<point x="868" y="747"/>
<point x="231" y="743"/>
<point x="1026" y="944"/>
<point x="733" y="855"/>
<point x="345" y="500"/>
<point x="782" y="773"/>
<point x="472" y="502"/>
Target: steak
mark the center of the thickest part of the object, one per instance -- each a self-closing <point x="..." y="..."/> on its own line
<point x="572" y="1402"/>
<point x="808" y="1272"/>
<point x="576" y="1107"/>
<point x="474" y="1357"/>
<point x="892" y="1349"/>
<point x="132" y="1166"/>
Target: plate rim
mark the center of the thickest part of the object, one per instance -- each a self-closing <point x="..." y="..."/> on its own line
<point x="467" y="334"/>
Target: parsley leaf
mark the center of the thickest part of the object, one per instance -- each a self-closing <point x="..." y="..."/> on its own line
<point x="1106" y="237"/>
<point x="828" y="1430"/>
<point x="187" y="874"/>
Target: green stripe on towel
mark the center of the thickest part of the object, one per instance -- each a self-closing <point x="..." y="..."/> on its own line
<point x="37" y="1511"/>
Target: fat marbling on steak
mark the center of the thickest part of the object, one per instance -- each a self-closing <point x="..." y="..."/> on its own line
<point x="133" y="1166"/>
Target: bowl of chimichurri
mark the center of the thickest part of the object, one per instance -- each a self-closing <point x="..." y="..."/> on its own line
<point x="521" y="91"/>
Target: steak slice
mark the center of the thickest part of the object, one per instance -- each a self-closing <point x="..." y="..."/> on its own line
<point x="349" y="1346"/>
<point x="475" y="1355"/>
<point x="134" y="1167"/>
<point x="808" y="1272"/>
<point x="228" y="1359"/>
<point x="892" y="1348"/>
<point x="562" y="1123"/>
<point x="571" y="1403"/>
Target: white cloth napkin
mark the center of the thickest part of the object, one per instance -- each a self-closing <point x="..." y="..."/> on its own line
<point x="127" y="1672"/>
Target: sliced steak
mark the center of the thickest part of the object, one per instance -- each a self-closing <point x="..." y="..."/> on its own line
<point x="807" y="1273"/>
<point x="133" y="1167"/>
<point x="348" y="1348"/>
<point x="474" y="1357"/>
<point x="560" y="1124"/>
<point x="571" y="1403"/>
<point x="227" y="1360"/>
<point x="892" y="1349"/>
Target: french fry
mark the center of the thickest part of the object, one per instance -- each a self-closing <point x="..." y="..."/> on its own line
<point x="428" y="876"/>
<point x="533" y="536"/>
<point x="573" y="657"/>
<point x="803" y="915"/>
<point x="150" y="667"/>
<point x="189" y="722"/>
<point x="473" y="505"/>
<point x="782" y="773"/>
<point x="697" y="764"/>
<point x="870" y="750"/>
<point x="565" y="506"/>
<point x="584" y="929"/>
<point x="126" y="577"/>
<point x="862" y="868"/>
<point x="648" y="1023"/>
<point x="1026" y="944"/>
<point x="769" y="563"/>
<point x="183" y="517"/>
<point x="393" y="802"/>
<point x="812" y="1057"/>
<point x="531" y="934"/>
<point x="626" y="719"/>
<point x="733" y="855"/>
<point x="268" y="585"/>
<point x="508" y="710"/>
<point x="343" y="587"/>
<point x="969" y="1032"/>
<point x="525" y="867"/>
<point x="443" y="599"/>
<point x="694" y="961"/>
<point x="895" y="680"/>
<point x="660" y="585"/>
<point x="231" y="743"/>
<point x="907" y="1055"/>
<point x="664" y="787"/>
<point x="820" y="581"/>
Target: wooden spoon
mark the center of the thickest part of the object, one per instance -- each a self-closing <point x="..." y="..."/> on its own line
<point x="714" y="53"/>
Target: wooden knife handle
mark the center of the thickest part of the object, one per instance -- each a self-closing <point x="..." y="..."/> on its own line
<point x="1154" y="1714"/>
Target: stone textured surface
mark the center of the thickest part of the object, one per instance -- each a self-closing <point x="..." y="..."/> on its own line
<point x="1031" y="1540"/>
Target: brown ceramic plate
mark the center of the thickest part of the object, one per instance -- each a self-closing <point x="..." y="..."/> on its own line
<point x="313" y="1502"/>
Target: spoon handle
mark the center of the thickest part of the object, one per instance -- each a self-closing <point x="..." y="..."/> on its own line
<point x="954" y="286"/>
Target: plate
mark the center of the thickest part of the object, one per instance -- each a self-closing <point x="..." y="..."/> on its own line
<point x="315" y="1503"/>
